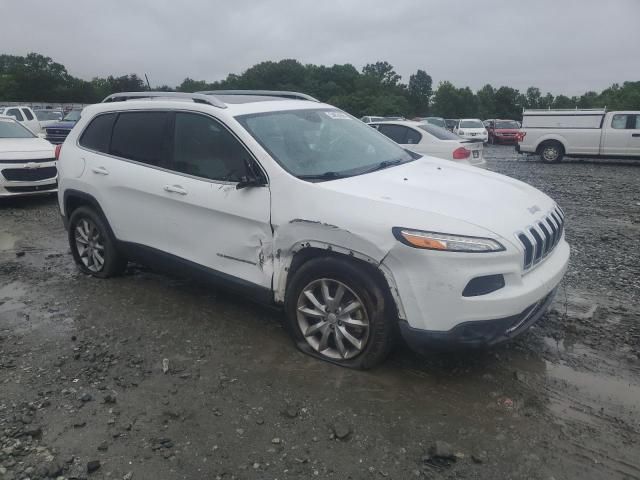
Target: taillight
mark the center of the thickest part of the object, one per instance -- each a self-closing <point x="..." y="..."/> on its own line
<point x="520" y="136"/>
<point x="461" y="153"/>
<point x="57" y="151"/>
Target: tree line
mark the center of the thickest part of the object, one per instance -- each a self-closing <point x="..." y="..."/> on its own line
<point x="375" y="90"/>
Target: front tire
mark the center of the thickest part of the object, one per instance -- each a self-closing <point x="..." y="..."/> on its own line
<point x="336" y="312"/>
<point x="92" y="245"/>
<point x="551" y="152"/>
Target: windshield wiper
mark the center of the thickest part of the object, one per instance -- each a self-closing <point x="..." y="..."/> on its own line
<point x="382" y="165"/>
<point x="323" y="176"/>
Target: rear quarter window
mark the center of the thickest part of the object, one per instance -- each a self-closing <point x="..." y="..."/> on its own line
<point x="27" y="113"/>
<point x="97" y="135"/>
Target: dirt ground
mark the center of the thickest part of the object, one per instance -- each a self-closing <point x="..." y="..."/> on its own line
<point x="82" y="385"/>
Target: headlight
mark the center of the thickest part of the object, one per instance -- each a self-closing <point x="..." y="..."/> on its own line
<point x="446" y="242"/>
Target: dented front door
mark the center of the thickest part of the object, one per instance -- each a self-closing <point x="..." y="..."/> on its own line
<point x="224" y="229"/>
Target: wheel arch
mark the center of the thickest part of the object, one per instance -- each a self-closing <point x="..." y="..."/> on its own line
<point x="74" y="199"/>
<point x="303" y="252"/>
<point x="551" y="138"/>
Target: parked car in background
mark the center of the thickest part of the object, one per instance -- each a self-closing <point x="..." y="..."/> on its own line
<point x="451" y="123"/>
<point x="437" y="121"/>
<point x="502" y="131"/>
<point x="58" y="131"/>
<point x="471" y="129"/>
<point x="428" y="139"/>
<point x="25" y="116"/>
<point x="27" y="162"/>
<point x="48" y="117"/>
<point x="369" y="119"/>
<point x="554" y="134"/>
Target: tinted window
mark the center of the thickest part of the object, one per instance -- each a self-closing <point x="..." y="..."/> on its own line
<point x="507" y="124"/>
<point x="27" y="113"/>
<point x="439" y="133"/>
<point x="619" y="121"/>
<point x="72" y="116"/>
<point x="204" y="148"/>
<point x="14" y="112"/>
<point x="141" y="136"/>
<point x="397" y="133"/>
<point x="413" y="136"/>
<point x="98" y="134"/>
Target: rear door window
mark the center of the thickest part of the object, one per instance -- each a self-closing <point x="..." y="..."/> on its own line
<point x="97" y="135"/>
<point x="27" y="113"/>
<point x="142" y="136"/>
<point x="619" y="122"/>
<point x="397" y="133"/>
<point x="203" y="147"/>
<point x="15" y="112"/>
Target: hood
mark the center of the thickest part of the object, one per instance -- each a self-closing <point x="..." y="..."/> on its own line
<point x="429" y="193"/>
<point x="25" y="148"/>
<point x="62" y="125"/>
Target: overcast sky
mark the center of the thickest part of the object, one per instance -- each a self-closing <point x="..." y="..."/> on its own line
<point x="562" y="46"/>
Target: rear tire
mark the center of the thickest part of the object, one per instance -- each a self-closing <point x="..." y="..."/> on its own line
<point x="353" y="331"/>
<point x="92" y="245"/>
<point x="551" y="152"/>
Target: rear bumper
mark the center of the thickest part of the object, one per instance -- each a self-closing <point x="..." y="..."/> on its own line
<point x="481" y="333"/>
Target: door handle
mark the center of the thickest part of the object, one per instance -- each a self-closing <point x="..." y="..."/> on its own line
<point x="635" y="134"/>
<point x="175" y="189"/>
<point x="100" y="170"/>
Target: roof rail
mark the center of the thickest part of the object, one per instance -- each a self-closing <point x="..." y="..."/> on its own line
<point x="195" y="97"/>
<point x="263" y="93"/>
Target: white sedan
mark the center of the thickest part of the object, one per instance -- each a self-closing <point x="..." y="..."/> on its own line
<point x="471" y="129"/>
<point x="27" y="162"/>
<point x="428" y="139"/>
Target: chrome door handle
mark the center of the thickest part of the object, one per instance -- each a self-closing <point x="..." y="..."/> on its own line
<point x="175" y="189"/>
<point x="100" y="170"/>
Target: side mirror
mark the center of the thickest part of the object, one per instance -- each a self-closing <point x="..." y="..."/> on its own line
<point x="247" y="181"/>
<point x="251" y="178"/>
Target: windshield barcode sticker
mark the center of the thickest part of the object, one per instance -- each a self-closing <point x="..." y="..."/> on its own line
<point x="338" y="115"/>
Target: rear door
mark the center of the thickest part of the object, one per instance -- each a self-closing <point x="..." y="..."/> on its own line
<point x="30" y="120"/>
<point x="633" y="142"/>
<point x="618" y="135"/>
<point x="125" y="155"/>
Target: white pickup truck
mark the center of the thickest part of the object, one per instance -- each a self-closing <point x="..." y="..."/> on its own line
<point x="554" y="134"/>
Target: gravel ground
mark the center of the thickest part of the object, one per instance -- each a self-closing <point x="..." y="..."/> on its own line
<point x="83" y="391"/>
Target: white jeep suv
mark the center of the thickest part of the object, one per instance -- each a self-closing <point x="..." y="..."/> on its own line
<point x="297" y="203"/>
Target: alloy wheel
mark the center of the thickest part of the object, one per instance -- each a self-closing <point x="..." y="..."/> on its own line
<point x="89" y="245"/>
<point x="333" y="319"/>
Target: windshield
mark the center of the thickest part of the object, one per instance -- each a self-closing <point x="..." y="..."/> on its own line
<point x="508" y="124"/>
<point x="322" y="143"/>
<point x="438" y="132"/>
<point x="12" y="129"/>
<point x="471" y="124"/>
<point x="435" y="121"/>
<point x="44" y="115"/>
<point x="72" y="116"/>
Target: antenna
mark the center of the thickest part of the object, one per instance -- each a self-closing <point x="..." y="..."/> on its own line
<point x="147" y="79"/>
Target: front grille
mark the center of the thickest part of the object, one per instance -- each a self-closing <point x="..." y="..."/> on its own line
<point x="28" y="174"/>
<point x="35" y="160"/>
<point x="540" y="239"/>
<point x="57" y="135"/>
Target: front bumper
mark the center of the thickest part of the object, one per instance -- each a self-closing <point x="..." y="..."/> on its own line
<point x="23" y="178"/>
<point x="481" y="333"/>
<point x="430" y="285"/>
